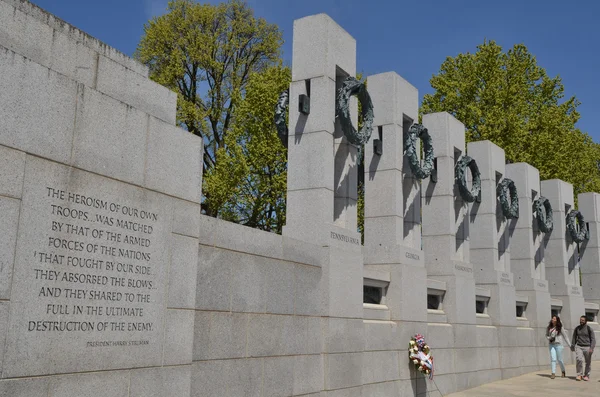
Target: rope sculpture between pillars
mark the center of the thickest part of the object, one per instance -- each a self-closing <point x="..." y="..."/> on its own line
<point x="460" y="172"/>
<point x="543" y="210"/>
<point x="417" y="131"/>
<point x="578" y="234"/>
<point x="510" y="204"/>
<point x="350" y="87"/>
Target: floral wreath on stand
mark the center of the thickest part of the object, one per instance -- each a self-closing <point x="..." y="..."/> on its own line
<point x="420" y="354"/>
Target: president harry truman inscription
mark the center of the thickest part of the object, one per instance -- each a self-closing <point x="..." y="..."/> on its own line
<point x="88" y="251"/>
<point x="90" y="273"/>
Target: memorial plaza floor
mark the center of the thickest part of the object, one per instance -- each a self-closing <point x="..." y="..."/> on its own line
<point x="538" y="384"/>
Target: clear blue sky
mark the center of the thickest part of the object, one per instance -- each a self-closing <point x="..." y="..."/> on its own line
<point x="411" y="38"/>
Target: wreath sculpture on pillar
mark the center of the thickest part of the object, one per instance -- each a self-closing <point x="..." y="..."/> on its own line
<point x="417" y="131"/>
<point x="574" y="218"/>
<point x="420" y="355"/>
<point x="460" y="173"/>
<point x="350" y="87"/>
<point x="543" y="210"/>
<point x="510" y="205"/>
<point x="281" y="115"/>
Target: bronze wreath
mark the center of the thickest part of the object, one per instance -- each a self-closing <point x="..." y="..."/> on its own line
<point x="460" y="173"/>
<point x="579" y="236"/>
<point x="510" y="209"/>
<point x="417" y="131"/>
<point x="281" y="114"/>
<point x="543" y="210"/>
<point x="352" y="86"/>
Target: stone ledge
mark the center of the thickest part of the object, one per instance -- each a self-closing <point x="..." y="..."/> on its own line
<point x="217" y="233"/>
<point x="76" y="35"/>
<point x="138" y="91"/>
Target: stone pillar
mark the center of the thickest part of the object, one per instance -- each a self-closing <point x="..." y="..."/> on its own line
<point x="490" y="237"/>
<point x="321" y="195"/>
<point x="320" y="161"/>
<point x="392" y="200"/>
<point x="490" y="255"/>
<point x="392" y="193"/>
<point x="562" y="267"/>
<point x="392" y="217"/>
<point x="446" y="221"/>
<point x="446" y="246"/>
<point x="589" y="205"/>
<point x="527" y="259"/>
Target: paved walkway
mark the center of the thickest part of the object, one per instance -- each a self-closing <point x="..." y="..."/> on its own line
<point x="539" y="384"/>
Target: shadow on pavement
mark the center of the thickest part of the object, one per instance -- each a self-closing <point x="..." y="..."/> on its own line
<point x="557" y="376"/>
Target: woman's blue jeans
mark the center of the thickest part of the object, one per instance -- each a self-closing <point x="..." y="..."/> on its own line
<point x="556" y="353"/>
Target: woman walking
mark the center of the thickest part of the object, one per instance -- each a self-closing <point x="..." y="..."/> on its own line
<point x="557" y="337"/>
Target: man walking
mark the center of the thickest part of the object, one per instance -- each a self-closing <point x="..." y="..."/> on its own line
<point x="583" y="344"/>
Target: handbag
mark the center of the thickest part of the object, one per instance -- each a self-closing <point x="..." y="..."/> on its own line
<point x="552" y="336"/>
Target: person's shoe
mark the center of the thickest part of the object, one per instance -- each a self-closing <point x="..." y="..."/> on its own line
<point x="564" y="375"/>
<point x="552" y="376"/>
<point x="586" y="378"/>
<point x="578" y="378"/>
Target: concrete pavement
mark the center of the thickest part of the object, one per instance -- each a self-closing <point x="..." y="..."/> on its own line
<point x="539" y="384"/>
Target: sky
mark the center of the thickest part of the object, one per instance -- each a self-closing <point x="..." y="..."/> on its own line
<point x="411" y="38"/>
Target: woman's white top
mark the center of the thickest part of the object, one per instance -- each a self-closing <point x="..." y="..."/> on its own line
<point x="560" y="338"/>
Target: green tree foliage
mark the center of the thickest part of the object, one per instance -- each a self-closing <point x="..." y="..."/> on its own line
<point x="248" y="184"/>
<point x="360" y="211"/>
<point x="207" y="53"/>
<point x="505" y="97"/>
<point x="360" y="202"/>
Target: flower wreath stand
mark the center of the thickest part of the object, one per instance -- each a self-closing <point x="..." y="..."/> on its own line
<point x="420" y="355"/>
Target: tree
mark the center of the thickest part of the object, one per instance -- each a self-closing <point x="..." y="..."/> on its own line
<point x="249" y="182"/>
<point x="360" y="188"/>
<point x="507" y="98"/>
<point x="360" y="210"/>
<point x="207" y="53"/>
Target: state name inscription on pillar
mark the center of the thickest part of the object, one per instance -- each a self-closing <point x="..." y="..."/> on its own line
<point x="89" y="283"/>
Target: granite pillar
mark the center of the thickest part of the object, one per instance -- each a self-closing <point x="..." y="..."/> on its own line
<point x="527" y="258"/>
<point x="561" y="256"/>
<point x="490" y="236"/>
<point x="445" y="234"/>
<point x="321" y="195"/>
<point x="446" y="221"/>
<point x="392" y="200"/>
<point x="393" y="255"/>
<point x="589" y="206"/>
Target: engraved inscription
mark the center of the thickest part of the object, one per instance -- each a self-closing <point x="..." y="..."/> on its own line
<point x="412" y="256"/>
<point x="347" y="239"/>
<point x="89" y="274"/>
<point x="463" y="268"/>
<point x="93" y="272"/>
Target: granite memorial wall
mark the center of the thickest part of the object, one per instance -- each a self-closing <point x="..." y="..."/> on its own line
<point x="113" y="284"/>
